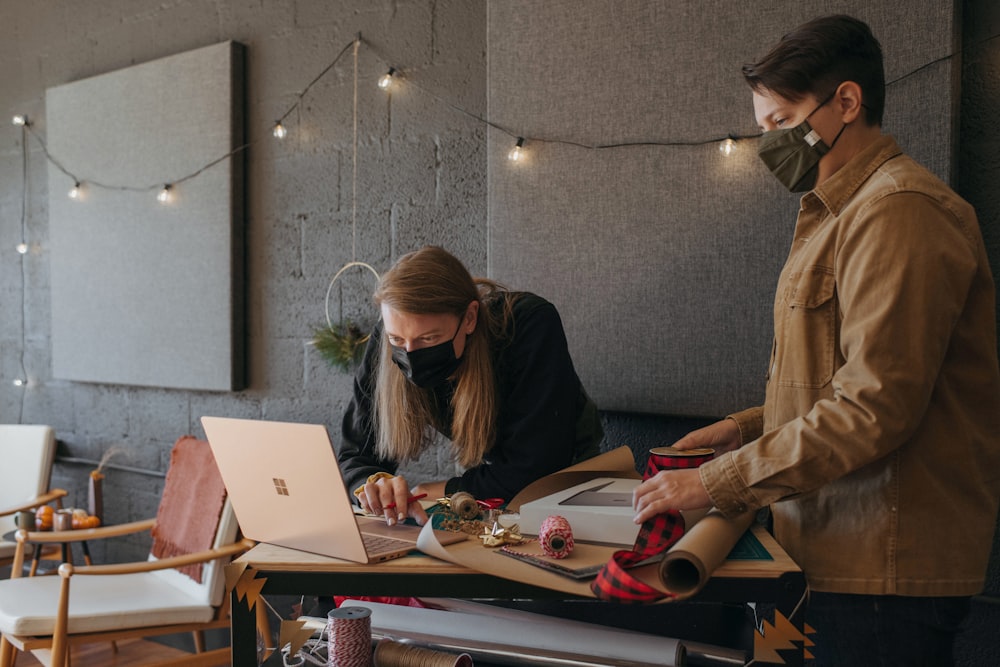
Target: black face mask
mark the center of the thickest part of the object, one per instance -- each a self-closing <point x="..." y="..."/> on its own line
<point x="429" y="366"/>
<point x="793" y="154"/>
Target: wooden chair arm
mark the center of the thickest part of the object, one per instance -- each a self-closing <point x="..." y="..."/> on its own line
<point x="84" y="534"/>
<point x="34" y="503"/>
<point x="66" y="571"/>
<point x="233" y="549"/>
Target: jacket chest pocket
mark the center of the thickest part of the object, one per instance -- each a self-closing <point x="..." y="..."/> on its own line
<point x="807" y="329"/>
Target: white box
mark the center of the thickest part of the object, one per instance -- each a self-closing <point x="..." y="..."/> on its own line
<point x="599" y="510"/>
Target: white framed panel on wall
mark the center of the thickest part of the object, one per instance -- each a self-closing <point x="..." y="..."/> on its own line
<point x="146" y="292"/>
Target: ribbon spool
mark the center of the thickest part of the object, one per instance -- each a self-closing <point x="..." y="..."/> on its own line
<point x="395" y="654"/>
<point x="656" y="535"/>
<point x="464" y="505"/>
<point x="668" y="458"/>
<point x="349" y="633"/>
<point x="556" y="537"/>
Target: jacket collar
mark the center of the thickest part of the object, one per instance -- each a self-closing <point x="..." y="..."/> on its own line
<point x="837" y="190"/>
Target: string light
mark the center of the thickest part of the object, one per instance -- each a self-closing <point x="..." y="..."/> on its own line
<point x="727" y="145"/>
<point x="386" y="79"/>
<point x="75" y="191"/>
<point x="517" y="152"/>
<point x="22" y="248"/>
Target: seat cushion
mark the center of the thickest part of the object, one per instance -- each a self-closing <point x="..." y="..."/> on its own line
<point x="100" y="602"/>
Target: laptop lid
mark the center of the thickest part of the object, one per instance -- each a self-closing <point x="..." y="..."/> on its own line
<point x="286" y="489"/>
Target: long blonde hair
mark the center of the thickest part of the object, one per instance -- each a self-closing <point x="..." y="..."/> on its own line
<point x="432" y="281"/>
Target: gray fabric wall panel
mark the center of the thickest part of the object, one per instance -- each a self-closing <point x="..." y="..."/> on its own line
<point x="143" y="293"/>
<point x="663" y="259"/>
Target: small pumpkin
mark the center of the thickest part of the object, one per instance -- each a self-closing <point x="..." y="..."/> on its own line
<point x="44" y="517"/>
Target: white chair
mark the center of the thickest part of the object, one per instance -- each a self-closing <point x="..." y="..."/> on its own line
<point x="26" y="455"/>
<point x="47" y="615"/>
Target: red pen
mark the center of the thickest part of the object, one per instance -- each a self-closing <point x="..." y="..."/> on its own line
<point x="411" y="499"/>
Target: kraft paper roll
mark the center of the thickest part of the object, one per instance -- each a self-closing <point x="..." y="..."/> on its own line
<point x="535" y="639"/>
<point x="691" y="561"/>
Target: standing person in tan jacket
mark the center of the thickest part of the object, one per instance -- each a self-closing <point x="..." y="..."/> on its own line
<point x="877" y="448"/>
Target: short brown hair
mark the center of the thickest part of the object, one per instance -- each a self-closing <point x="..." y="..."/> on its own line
<point x="817" y="57"/>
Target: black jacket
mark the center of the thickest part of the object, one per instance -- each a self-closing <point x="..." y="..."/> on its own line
<point x="545" y="420"/>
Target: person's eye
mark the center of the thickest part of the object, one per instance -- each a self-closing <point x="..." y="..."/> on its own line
<point x="395" y="340"/>
<point x="778" y="122"/>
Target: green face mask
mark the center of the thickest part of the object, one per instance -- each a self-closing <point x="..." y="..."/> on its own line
<point x="793" y="154"/>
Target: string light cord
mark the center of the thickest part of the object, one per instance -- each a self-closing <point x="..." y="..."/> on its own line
<point x="521" y="137"/>
<point x="319" y="76"/>
<point x="538" y="139"/>
<point x="354" y="160"/>
<point x="23" y="377"/>
<point x="79" y="180"/>
<point x="943" y="58"/>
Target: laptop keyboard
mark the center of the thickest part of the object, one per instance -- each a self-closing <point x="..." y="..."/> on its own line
<point x="377" y="543"/>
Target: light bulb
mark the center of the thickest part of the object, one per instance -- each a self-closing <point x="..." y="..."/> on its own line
<point x="22" y="248"/>
<point x="727" y="146"/>
<point x="164" y="196"/>
<point x="74" y="192"/>
<point x="280" y="131"/>
<point x="516" y="153"/>
<point x="20" y="382"/>
<point x="20" y="120"/>
<point x="386" y="79"/>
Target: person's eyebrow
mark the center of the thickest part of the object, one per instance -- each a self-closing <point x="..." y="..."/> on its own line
<point x="430" y="332"/>
<point x="776" y="111"/>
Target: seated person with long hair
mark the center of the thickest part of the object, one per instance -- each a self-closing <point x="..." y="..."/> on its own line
<point x="486" y="367"/>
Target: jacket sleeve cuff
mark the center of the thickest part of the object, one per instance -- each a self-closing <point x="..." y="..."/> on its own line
<point x="452" y="485"/>
<point x="725" y="487"/>
<point x="750" y="423"/>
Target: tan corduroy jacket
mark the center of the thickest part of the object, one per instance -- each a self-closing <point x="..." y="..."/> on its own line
<point x="878" y="445"/>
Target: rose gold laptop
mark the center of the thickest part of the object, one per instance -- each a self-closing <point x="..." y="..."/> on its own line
<point x="286" y="489"/>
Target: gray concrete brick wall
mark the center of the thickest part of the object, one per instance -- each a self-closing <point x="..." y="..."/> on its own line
<point x="422" y="176"/>
<point x="420" y="179"/>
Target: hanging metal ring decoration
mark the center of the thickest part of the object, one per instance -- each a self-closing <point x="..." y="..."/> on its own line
<point x="334" y="280"/>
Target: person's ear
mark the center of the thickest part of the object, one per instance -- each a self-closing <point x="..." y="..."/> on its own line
<point x="848" y="100"/>
<point x="471" y="317"/>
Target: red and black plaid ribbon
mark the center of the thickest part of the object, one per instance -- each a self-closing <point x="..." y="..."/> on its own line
<point x="655" y="536"/>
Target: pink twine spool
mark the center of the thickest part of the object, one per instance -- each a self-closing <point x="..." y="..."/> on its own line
<point x="556" y="537"/>
<point x="349" y="632"/>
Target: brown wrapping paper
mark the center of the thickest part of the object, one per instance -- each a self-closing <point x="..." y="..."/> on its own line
<point x="686" y="566"/>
